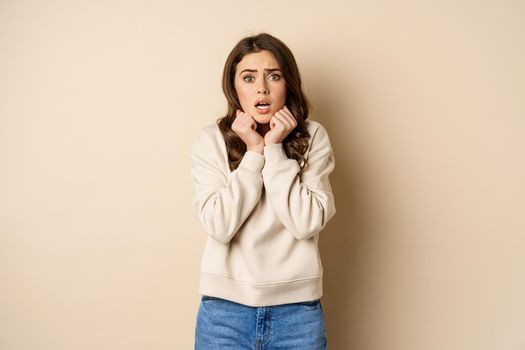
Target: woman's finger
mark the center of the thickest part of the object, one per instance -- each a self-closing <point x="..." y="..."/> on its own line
<point x="284" y="120"/>
<point x="289" y="117"/>
<point x="279" y="121"/>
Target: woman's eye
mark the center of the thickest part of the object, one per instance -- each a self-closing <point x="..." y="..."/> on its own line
<point x="248" y="78"/>
<point x="275" y="77"/>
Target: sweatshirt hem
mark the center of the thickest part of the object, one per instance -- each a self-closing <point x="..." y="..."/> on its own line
<point x="260" y="294"/>
<point x="252" y="161"/>
<point x="274" y="153"/>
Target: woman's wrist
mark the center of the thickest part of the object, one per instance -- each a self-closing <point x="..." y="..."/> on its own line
<point x="272" y="142"/>
<point x="259" y="148"/>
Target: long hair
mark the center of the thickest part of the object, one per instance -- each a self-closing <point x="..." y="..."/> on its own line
<point x="296" y="142"/>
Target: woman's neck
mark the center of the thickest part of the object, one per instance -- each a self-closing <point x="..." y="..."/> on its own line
<point x="262" y="129"/>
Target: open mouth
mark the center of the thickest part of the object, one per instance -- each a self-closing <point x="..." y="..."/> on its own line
<point x="263" y="106"/>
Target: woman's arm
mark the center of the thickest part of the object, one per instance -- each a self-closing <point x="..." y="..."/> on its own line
<point x="305" y="203"/>
<point x="220" y="205"/>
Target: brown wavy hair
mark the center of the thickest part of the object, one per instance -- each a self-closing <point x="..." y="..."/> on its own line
<point x="296" y="143"/>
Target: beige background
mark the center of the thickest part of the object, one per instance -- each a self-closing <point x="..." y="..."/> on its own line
<point x="424" y="103"/>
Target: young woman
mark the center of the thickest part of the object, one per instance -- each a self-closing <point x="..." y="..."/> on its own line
<point x="263" y="195"/>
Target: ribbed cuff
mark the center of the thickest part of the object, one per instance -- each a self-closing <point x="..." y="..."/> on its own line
<point x="274" y="153"/>
<point x="252" y="161"/>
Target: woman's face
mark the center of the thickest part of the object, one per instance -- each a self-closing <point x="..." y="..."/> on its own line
<point x="260" y="85"/>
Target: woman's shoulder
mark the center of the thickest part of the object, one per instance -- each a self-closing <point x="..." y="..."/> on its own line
<point x="316" y="130"/>
<point x="209" y="137"/>
<point x="210" y="129"/>
<point x="207" y="132"/>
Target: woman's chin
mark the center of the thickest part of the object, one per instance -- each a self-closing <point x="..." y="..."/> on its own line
<point x="260" y="119"/>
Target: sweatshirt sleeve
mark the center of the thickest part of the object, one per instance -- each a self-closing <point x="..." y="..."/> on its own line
<point x="304" y="203"/>
<point x="221" y="204"/>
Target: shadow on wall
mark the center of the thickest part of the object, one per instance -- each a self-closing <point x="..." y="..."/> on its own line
<point x="343" y="243"/>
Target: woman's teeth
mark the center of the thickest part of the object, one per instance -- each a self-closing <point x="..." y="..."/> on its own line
<point x="262" y="107"/>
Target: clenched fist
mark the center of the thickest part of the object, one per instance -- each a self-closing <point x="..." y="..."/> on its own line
<point x="281" y="124"/>
<point x="246" y="127"/>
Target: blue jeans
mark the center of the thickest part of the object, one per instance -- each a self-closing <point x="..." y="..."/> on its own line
<point x="227" y="325"/>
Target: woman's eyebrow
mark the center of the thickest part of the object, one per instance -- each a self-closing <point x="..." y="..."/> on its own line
<point x="255" y="70"/>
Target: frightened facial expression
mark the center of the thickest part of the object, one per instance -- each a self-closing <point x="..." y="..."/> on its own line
<point x="260" y="85"/>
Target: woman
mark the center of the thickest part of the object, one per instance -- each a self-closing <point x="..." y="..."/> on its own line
<point x="262" y="195"/>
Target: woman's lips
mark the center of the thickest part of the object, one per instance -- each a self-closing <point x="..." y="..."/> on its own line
<point x="263" y="105"/>
<point x="263" y="109"/>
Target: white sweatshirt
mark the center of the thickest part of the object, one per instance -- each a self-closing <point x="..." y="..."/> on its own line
<point x="262" y="220"/>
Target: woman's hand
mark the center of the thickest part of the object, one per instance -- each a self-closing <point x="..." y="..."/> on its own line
<point x="281" y="124"/>
<point x="246" y="127"/>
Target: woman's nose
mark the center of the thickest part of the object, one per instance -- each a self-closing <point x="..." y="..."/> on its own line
<point x="262" y="88"/>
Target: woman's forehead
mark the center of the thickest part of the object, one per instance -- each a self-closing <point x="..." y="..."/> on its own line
<point x="259" y="60"/>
